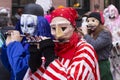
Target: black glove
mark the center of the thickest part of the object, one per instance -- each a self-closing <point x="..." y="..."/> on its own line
<point x="35" y="60"/>
<point x="47" y="48"/>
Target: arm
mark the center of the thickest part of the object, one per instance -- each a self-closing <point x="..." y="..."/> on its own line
<point x="103" y="39"/>
<point x="18" y="58"/>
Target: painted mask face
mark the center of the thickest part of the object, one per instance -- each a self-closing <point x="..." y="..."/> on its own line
<point x="112" y="14"/>
<point x="61" y="29"/>
<point x="28" y="23"/>
<point x="92" y="23"/>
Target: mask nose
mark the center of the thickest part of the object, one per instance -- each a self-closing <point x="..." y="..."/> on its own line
<point x="24" y="29"/>
<point x="59" y="32"/>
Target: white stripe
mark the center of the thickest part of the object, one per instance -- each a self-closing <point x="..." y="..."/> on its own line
<point x="39" y="72"/>
<point x="62" y="61"/>
<point x="88" y="57"/>
<point x="47" y="77"/>
<point x="66" y="63"/>
<point x="80" y="71"/>
<point x="80" y="42"/>
<point x="57" y="74"/>
<point x="34" y="77"/>
<point x="90" y="77"/>
<point x="89" y="68"/>
<point x="85" y="73"/>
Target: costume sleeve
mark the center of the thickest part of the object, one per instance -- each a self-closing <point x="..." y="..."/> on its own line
<point x="103" y="39"/>
<point x="4" y="57"/>
<point x="34" y="76"/>
<point x="83" y="66"/>
<point x="18" y="58"/>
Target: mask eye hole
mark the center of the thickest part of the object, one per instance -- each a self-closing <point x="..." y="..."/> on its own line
<point x="63" y="28"/>
<point x="93" y="20"/>
<point x="22" y="25"/>
<point x="87" y="20"/>
<point x="54" y="28"/>
<point x="30" y="25"/>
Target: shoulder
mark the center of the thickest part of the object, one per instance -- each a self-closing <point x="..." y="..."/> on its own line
<point x="82" y="44"/>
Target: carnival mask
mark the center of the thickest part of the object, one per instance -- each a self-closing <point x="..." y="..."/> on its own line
<point x="112" y="14"/>
<point x="92" y="23"/>
<point x="28" y="23"/>
<point x="61" y="29"/>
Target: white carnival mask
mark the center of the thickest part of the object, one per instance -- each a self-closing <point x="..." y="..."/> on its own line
<point x="28" y="23"/>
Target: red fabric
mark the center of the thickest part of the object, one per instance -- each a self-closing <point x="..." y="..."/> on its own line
<point x="67" y="49"/>
<point x="68" y="13"/>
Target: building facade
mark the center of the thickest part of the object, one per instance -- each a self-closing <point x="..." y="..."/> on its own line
<point x="81" y="6"/>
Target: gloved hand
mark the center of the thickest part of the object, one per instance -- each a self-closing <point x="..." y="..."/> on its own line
<point x="35" y="60"/>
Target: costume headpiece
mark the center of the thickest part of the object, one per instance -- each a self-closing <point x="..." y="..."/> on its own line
<point x="69" y="13"/>
<point x="95" y="15"/>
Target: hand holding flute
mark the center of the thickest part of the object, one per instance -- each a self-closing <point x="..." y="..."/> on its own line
<point x="13" y="35"/>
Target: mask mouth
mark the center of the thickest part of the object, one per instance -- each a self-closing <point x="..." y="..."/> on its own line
<point x="111" y="17"/>
<point x="61" y="40"/>
<point x="27" y="34"/>
<point x="91" y="27"/>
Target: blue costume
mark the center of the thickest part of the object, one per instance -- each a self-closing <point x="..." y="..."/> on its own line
<point x="15" y="56"/>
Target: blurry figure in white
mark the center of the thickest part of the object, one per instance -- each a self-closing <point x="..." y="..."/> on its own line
<point x="112" y="21"/>
<point x="46" y="5"/>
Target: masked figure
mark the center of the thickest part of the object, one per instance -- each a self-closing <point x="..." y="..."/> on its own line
<point x="100" y="38"/>
<point x="76" y="59"/>
<point x="113" y="24"/>
<point x="26" y="45"/>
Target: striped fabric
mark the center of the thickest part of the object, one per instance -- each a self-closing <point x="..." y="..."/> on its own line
<point x="84" y="66"/>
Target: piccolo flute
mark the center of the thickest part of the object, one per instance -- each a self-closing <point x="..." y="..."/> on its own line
<point x="8" y="33"/>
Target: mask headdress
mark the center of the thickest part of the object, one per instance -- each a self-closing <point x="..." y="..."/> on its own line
<point x="33" y="9"/>
<point x="112" y="8"/>
<point x="95" y="15"/>
<point x="69" y="13"/>
<point x="42" y="27"/>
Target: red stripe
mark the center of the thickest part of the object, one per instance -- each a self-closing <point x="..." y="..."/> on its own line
<point x="42" y="78"/>
<point x="88" y="62"/>
<point x="42" y="69"/>
<point x="86" y="75"/>
<point x="51" y="75"/>
<point x="77" y="69"/>
<point x="37" y="75"/>
<point x="95" y="54"/>
<point x="57" y="70"/>
<point x="80" y="77"/>
<point x="31" y="78"/>
<point x="64" y="60"/>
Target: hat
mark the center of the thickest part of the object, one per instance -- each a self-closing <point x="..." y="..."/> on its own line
<point x="95" y="15"/>
<point x="67" y="12"/>
<point x="33" y="9"/>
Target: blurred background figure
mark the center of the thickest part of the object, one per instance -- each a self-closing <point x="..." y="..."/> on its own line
<point x="97" y="9"/>
<point x="19" y="13"/>
<point x="113" y="24"/>
<point x="46" y="5"/>
<point x="48" y="15"/>
<point x="5" y="25"/>
<point x="15" y="18"/>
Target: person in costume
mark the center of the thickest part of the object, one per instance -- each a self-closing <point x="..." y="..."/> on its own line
<point x="113" y="24"/>
<point x="100" y="38"/>
<point x="77" y="60"/>
<point x="24" y="46"/>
